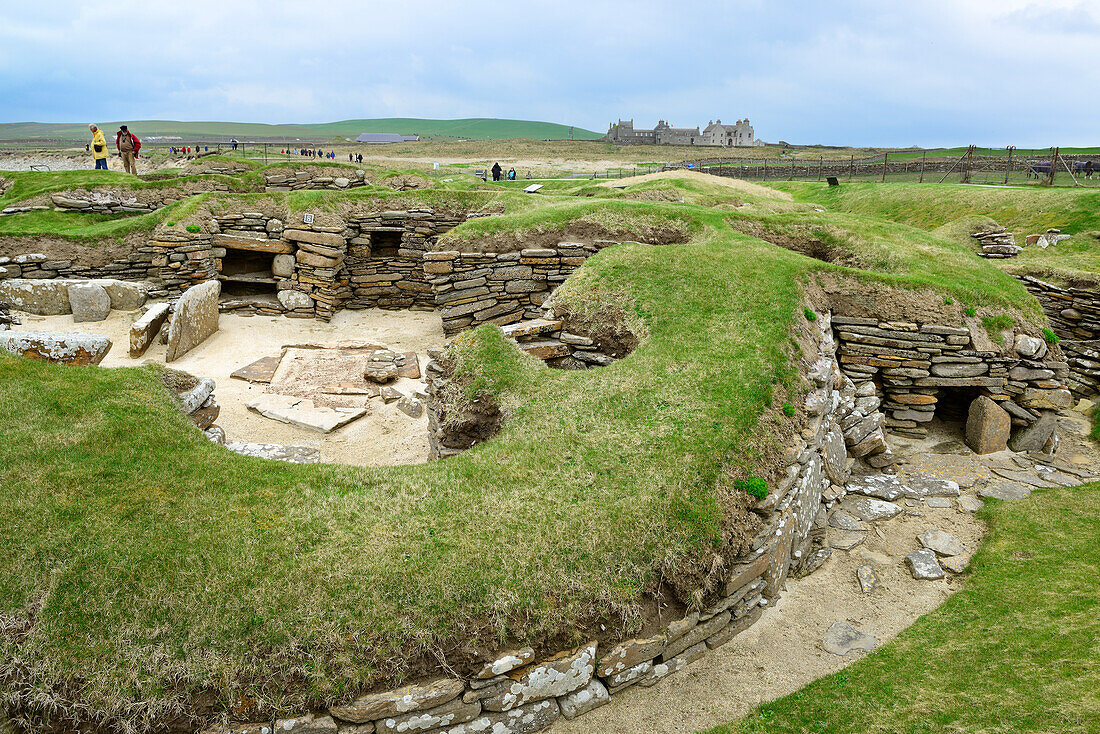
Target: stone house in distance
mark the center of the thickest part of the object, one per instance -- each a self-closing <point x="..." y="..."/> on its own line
<point x="716" y="134"/>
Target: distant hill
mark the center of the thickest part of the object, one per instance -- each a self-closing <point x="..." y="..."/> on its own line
<point x="477" y="128"/>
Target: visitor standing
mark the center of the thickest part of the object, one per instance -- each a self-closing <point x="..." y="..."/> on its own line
<point x="496" y="171"/>
<point x="233" y="142"/>
<point x="128" y="146"/>
<point x="99" y="147"/>
<point x="511" y="174"/>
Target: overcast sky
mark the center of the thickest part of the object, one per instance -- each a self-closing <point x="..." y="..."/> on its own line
<point x="938" y="72"/>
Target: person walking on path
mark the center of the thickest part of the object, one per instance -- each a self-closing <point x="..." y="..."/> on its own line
<point x="99" y="147"/>
<point x="496" y="171"/>
<point x="128" y="146"/>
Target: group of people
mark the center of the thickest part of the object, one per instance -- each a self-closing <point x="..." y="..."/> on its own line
<point x="126" y="143"/>
<point x="186" y="150"/>
<point x="498" y="173"/>
<point x="309" y="153"/>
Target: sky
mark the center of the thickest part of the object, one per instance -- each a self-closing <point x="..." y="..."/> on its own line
<point x="841" y="72"/>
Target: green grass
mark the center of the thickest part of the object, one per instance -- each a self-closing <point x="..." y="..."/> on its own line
<point x="155" y="565"/>
<point x="471" y="128"/>
<point x="954" y="210"/>
<point x="1014" y="651"/>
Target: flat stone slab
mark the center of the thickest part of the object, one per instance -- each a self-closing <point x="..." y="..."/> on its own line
<point x="277" y="452"/>
<point x="1008" y="491"/>
<point x="970" y="504"/>
<point x="869" y="509"/>
<point x="845" y="539"/>
<point x="868" y="579"/>
<point x="939" y="503"/>
<point x="195" y="319"/>
<point x="923" y="487"/>
<point x="60" y="347"/>
<point x="303" y="413"/>
<point x="309" y="370"/>
<point x="923" y="565"/>
<point x="841" y="638"/>
<point x="375" y="706"/>
<point x="261" y="371"/>
<point x="1022" y="477"/>
<point x="882" y="486"/>
<point x="844" y="520"/>
<point x="955" y="564"/>
<point x="943" y="544"/>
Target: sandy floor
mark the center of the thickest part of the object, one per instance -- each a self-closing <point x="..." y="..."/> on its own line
<point x="783" y="651"/>
<point x="385" y="436"/>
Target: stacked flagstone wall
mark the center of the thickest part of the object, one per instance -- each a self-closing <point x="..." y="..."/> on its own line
<point x="1074" y="313"/>
<point x="913" y="366"/>
<point x="519" y="690"/>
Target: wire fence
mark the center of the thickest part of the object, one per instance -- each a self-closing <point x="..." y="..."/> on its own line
<point x="973" y="166"/>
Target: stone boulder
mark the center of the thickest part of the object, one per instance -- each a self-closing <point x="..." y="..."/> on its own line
<point x="89" y="302"/>
<point x="1030" y="346"/>
<point x="145" y="330"/>
<point x="987" y="426"/>
<point x="41" y="297"/>
<point x="1034" y="437"/>
<point x="195" y="319"/>
<point x="283" y="266"/>
<point x="63" y="348"/>
<point x="295" y="300"/>
<point x="125" y="295"/>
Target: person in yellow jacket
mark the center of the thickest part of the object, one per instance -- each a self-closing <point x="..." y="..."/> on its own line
<point x="99" y="147"/>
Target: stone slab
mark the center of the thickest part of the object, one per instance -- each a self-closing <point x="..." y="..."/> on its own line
<point x="261" y="371"/>
<point x="302" y="412"/>
<point x="841" y="638"/>
<point x="277" y="452"/>
<point x="195" y="319"/>
<point x="59" y="347"/>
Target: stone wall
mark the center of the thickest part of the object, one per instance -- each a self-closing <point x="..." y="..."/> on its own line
<point x="138" y="265"/>
<point x="1074" y="313"/>
<point x="914" y="365"/>
<point x="520" y="691"/>
<point x="501" y="288"/>
<point x="297" y="180"/>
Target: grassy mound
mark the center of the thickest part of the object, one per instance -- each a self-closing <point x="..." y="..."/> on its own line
<point x="149" y="568"/>
<point x="1014" y="651"/>
<point x="953" y="209"/>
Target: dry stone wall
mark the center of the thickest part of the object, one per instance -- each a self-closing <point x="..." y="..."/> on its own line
<point x="335" y="180"/>
<point x="518" y="691"/>
<point x="913" y="366"/>
<point x="1074" y="313"/>
<point x="500" y="288"/>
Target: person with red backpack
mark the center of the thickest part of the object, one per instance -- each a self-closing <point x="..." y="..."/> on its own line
<point x="128" y="146"/>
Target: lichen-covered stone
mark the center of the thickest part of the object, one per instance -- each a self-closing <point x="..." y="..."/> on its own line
<point x="195" y="319"/>
<point x="987" y="426"/>
<point x="629" y="653"/>
<point x="449" y="714"/>
<point x="375" y="706"/>
<point x="62" y="348"/>
<point x="561" y="674"/>
<point x="506" y="662"/>
<point x="584" y="700"/>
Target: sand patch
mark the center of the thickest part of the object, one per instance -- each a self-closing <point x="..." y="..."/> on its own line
<point x="386" y="436"/>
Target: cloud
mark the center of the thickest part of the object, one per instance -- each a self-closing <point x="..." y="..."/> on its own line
<point x="847" y="72"/>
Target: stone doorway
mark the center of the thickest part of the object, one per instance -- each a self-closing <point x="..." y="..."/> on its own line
<point x="247" y="273"/>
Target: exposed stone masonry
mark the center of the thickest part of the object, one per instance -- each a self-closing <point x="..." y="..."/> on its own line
<point x="1074" y="313"/>
<point x="912" y="365"/>
<point x="516" y="691"/>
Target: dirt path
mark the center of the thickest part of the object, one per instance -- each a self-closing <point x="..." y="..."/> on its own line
<point x="745" y="187"/>
<point x="783" y="651"/>
<point x="385" y="436"/>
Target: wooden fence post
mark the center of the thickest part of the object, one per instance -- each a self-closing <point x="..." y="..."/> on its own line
<point x="885" y="157"/>
<point x="922" y="159"/>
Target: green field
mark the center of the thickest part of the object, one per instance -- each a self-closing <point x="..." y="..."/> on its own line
<point x="148" y="566"/>
<point x="471" y="129"/>
<point x="1014" y="651"/>
<point x="955" y="211"/>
